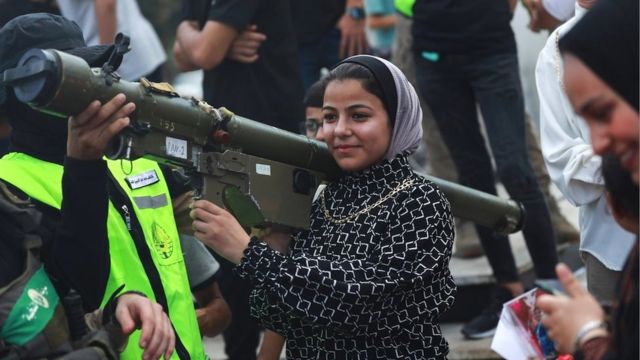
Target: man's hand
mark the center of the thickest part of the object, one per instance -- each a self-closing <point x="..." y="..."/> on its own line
<point x="137" y="312"/>
<point x="181" y="60"/>
<point x="564" y="316"/>
<point x="214" y="316"/>
<point x="539" y="17"/>
<point x="91" y="131"/>
<point x="244" y="48"/>
<point x="353" y="40"/>
<point x="219" y="230"/>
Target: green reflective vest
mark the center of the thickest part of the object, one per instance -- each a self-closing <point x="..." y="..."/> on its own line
<point x="144" y="246"/>
<point x="405" y="7"/>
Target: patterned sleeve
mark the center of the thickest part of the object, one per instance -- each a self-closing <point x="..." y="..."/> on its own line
<point x="350" y="295"/>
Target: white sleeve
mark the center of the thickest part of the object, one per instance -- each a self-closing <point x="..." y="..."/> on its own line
<point x="560" y="9"/>
<point x="564" y="137"/>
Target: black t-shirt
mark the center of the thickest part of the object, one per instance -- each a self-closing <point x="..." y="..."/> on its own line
<point x="314" y="18"/>
<point x="463" y="26"/>
<point x="270" y="89"/>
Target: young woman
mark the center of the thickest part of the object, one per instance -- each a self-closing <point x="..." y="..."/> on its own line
<point x="370" y="277"/>
<point x="601" y="79"/>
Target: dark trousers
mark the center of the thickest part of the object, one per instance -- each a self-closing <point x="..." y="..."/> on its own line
<point x="243" y="334"/>
<point x="322" y="53"/>
<point x="452" y="86"/>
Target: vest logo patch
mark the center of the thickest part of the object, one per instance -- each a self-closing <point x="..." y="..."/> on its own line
<point x="141" y="180"/>
<point x="162" y="242"/>
<point x="38" y="300"/>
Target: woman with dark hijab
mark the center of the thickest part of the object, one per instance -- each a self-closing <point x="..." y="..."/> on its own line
<point x="601" y="78"/>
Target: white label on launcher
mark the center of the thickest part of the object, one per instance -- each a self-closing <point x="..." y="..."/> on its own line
<point x="263" y="169"/>
<point x="176" y="147"/>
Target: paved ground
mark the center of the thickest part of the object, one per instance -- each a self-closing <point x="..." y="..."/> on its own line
<point x="460" y="349"/>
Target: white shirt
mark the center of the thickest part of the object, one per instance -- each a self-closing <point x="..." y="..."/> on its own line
<point x="572" y="165"/>
<point x="559" y="9"/>
<point x="147" y="52"/>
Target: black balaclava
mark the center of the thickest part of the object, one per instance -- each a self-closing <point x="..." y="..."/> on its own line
<point x="38" y="134"/>
<point x="606" y="41"/>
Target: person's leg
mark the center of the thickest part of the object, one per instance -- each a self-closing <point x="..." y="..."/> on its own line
<point x="498" y="90"/>
<point x="309" y="57"/>
<point x="565" y="232"/>
<point x="446" y="90"/>
<point x="601" y="281"/>
<point x="330" y="49"/>
<point x="314" y="56"/>
<point x="438" y="159"/>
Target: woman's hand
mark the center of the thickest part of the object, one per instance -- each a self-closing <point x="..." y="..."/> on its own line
<point x="91" y="131"/>
<point x="565" y="316"/>
<point x="219" y="230"/>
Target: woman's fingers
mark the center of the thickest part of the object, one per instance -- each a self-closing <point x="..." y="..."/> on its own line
<point x="200" y="226"/>
<point x="201" y="214"/>
<point x="550" y="303"/>
<point x="208" y="206"/>
<point x="569" y="282"/>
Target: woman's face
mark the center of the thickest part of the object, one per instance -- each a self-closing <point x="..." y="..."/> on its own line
<point x="356" y="125"/>
<point x="613" y="123"/>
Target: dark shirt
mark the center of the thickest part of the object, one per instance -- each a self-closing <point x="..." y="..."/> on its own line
<point x="372" y="287"/>
<point x="463" y="26"/>
<point x="75" y="249"/>
<point x="314" y="18"/>
<point x="270" y="89"/>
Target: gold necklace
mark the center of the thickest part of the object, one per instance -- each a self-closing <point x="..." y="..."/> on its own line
<point x="405" y="184"/>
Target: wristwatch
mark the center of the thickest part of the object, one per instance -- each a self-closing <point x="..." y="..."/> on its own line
<point x="356" y="13"/>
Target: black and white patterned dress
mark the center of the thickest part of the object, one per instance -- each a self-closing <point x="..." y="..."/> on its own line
<point x="371" y="288"/>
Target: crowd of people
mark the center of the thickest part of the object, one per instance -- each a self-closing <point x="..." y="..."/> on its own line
<point x="156" y="269"/>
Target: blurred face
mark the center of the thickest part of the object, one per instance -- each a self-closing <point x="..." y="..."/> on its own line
<point x="356" y="125"/>
<point x="313" y="123"/>
<point x="613" y="123"/>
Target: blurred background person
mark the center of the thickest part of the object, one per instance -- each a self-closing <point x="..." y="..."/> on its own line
<point x="576" y="170"/>
<point x="101" y="20"/>
<point x="381" y="26"/>
<point x="256" y="77"/>
<point x="600" y="56"/>
<point x="465" y="53"/>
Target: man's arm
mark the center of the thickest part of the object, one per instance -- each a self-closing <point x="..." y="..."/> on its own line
<point x="204" y="48"/>
<point x="354" y="40"/>
<point x="107" y="20"/>
<point x="214" y="316"/>
<point x="539" y="17"/>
